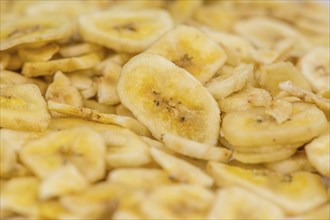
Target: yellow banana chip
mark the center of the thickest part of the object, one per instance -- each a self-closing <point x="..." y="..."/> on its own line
<point x="34" y="29"/>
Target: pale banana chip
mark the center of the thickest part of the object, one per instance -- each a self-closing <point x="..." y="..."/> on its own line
<point x="320" y="213"/>
<point x="20" y="195"/>
<point x="280" y="110"/>
<point x="61" y="90"/>
<point x="264" y="156"/>
<point x="315" y="66"/>
<point x="182" y="10"/>
<point x="32" y="69"/>
<point x="270" y="76"/>
<point x="96" y="202"/>
<point x="94" y="115"/>
<point x="228" y="83"/>
<point x="151" y="88"/>
<point x="139" y="178"/>
<point x="267" y="33"/>
<point x="84" y="83"/>
<point x="23" y="108"/>
<point x="298" y="162"/>
<point x="307" y="96"/>
<point x="63" y="181"/>
<point x="124" y="148"/>
<point x="194" y="149"/>
<point x="34" y="29"/>
<point x="254" y="127"/>
<point x="180" y="170"/>
<point x="9" y="78"/>
<point x="192" y="50"/>
<point x="125" y="30"/>
<point x="178" y="202"/>
<point x="79" y="49"/>
<point x="238" y="203"/>
<point x="106" y="93"/>
<point x="82" y="147"/>
<point x="245" y="99"/>
<point x="41" y="54"/>
<point x="318" y="153"/>
<point x="295" y="193"/>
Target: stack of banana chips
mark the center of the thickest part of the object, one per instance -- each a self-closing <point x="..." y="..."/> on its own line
<point x="158" y="109"/>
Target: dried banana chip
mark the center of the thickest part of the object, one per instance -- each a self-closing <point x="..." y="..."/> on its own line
<point x="228" y="83"/>
<point x="192" y="50"/>
<point x="33" y="69"/>
<point x="139" y="178"/>
<point x="238" y="203"/>
<point x="61" y="90"/>
<point x="318" y="153"/>
<point x="194" y="149"/>
<point x="295" y="193"/>
<point x="20" y="195"/>
<point x="23" y="108"/>
<point x="41" y="54"/>
<point x="151" y="88"/>
<point x="79" y="49"/>
<point x="63" y="181"/>
<point x="125" y="30"/>
<point x="247" y="98"/>
<point x="178" y="202"/>
<point x="180" y="170"/>
<point x="96" y="116"/>
<point x="298" y="162"/>
<point x="82" y="147"/>
<point x="270" y="76"/>
<point x="34" y="29"/>
<point x="254" y="127"/>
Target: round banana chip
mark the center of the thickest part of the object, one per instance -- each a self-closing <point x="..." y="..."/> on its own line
<point x="318" y="153"/>
<point x="178" y="202"/>
<point x="254" y="127"/>
<point x="239" y="203"/>
<point x="82" y="147"/>
<point x="125" y="30"/>
<point x="23" y="108"/>
<point x="315" y="66"/>
<point x="167" y="98"/>
<point x="34" y="29"/>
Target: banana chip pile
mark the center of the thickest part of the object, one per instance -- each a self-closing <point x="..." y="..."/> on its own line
<point x="164" y="110"/>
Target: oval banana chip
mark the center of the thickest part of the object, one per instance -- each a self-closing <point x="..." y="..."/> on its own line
<point x="151" y="88"/>
<point x="34" y="29"/>
<point x="125" y="30"/>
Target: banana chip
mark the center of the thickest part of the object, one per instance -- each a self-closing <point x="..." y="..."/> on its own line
<point x="62" y="90"/>
<point x="178" y="202"/>
<point x="254" y="127"/>
<point x="318" y="153"/>
<point x="194" y="149"/>
<point x="287" y="191"/>
<point x="151" y="88"/>
<point x="23" y="108"/>
<point x="238" y="203"/>
<point x="191" y="50"/>
<point x="158" y="109"/>
<point x="33" y="69"/>
<point x="34" y="29"/>
<point x="96" y="116"/>
<point x="40" y="54"/>
<point x="82" y="147"/>
<point x="228" y="83"/>
<point x="20" y="195"/>
<point x="125" y="30"/>
<point x="181" y="170"/>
